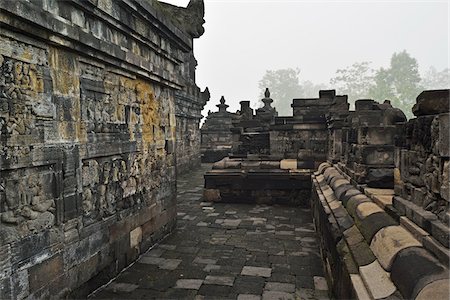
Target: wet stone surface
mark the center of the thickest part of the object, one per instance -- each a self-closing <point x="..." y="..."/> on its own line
<point x="227" y="251"/>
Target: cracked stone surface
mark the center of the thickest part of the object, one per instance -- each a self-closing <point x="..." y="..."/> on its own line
<point x="227" y="251"/>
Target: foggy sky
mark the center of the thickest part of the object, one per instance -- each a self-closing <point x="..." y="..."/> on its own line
<point x="243" y="39"/>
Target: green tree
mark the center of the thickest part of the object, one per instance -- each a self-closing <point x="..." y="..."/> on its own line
<point x="399" y="83"/>
<point x="355" y="81"/>
<point x="382" y="86"/>
<point x="310" y="89"/>
<point x="284" y="86"/>
<point x="436" y="80"/>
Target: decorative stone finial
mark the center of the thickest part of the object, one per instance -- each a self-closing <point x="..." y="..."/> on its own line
<point x="267" y="100"/>
<point x="222" y="106"/>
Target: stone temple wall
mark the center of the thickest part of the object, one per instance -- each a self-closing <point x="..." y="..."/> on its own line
<point x="189" y="103"/>
<point x="90" y="95"/>
<point x="380" y="202"/>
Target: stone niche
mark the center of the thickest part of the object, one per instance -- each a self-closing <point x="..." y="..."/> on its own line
<point x="90" y="99"/>
<point x="216" y="136"/>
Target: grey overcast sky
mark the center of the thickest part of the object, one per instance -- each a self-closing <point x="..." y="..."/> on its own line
<point x="245" y="38"/>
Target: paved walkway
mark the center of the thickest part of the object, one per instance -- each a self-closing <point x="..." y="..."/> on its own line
<point x="228" y="251"/>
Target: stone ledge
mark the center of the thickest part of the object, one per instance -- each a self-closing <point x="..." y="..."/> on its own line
<point x="389" y="241"/>
<point x="424" y="219"/>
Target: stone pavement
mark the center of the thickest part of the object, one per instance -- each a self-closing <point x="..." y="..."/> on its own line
<point x="227" y="251"/>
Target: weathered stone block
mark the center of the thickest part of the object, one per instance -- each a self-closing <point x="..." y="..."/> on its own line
<point x="376" y="135"/>
<point x="364" y="104"/>
<point x="375" y="155"/>
<point x="135" y="237"/>
<point x="389" y="241"/>
<point x="410" y="268"/>
<point x="418" y="196"/>
<point x="437" y="249"/>
<point x="380" y="178"/>
<point x="212" y="195"/>
<point x="38" y="275"/>
<point x="445" y="179"/>
<point x="438" y="289"/>
<point x="76" y="252"/>
<point x="6" y="292"/>
<point x="441" y="232"/>
<point x="373" y="223"/>
<point x="432" y="102"/>
<point x="444" y="136"/>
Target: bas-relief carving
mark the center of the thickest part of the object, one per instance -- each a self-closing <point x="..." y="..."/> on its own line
<point x="20" y="86"/>
<point x="105" y="129"/>
<point x="28" y="199"/>
<point x="26" y="106"/>
<point x="106" y="99"/>
<point x="424" y="169"/>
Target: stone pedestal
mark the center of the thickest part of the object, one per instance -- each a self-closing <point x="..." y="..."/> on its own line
<point x="258" y="181"/>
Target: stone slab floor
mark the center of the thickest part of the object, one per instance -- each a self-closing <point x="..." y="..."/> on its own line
<point x="227" y="251"/>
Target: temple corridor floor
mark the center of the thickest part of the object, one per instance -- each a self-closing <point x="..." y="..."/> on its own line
<point x="227" y="251"/>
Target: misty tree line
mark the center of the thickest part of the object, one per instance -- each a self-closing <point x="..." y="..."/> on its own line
<point x="400" y="83"/>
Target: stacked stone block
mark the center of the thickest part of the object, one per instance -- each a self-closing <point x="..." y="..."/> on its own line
<point x="250" y="132"/>
<point x="370" y="134"/>
<point x="335" y="123"/>
<point x="216" y="139"/>
<point x="304" y="136"/>
<point x="368" y="254"/>
<point x="422" y="168"/>
<point x="87" y="138"/>
<point x="258" y="180"/>
<point x="188" y="106"/>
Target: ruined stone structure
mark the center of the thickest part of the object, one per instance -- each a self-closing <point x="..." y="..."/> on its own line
<point x="369" y="136"/>
<point x="99" y="111"/>
<point x="422" y="168"/>
<point x="251" y="132"/>
<point x="379" y="195"/>
<point x="273" y="156"/>
<point x="216" y="137"/>
<point x="94" y="96"/>
<point x="304" y="136"/>
<point x="380" y="203"/>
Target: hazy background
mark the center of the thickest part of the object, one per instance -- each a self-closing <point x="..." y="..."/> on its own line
<point x="244" y="39"/>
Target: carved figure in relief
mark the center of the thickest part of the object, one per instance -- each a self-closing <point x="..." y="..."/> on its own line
<point x="27" y="205"/>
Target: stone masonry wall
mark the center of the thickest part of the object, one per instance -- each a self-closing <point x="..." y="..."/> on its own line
<point x="88" y="101"/>
<point x="189" y="103"/>
<point x="380" y="203"/>
<point x="216" y="136"/>
<point x="422" y="166"/>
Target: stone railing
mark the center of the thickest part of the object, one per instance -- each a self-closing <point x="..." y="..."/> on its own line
<point x="381" y="202"/>
<point x="369" y="254"/>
